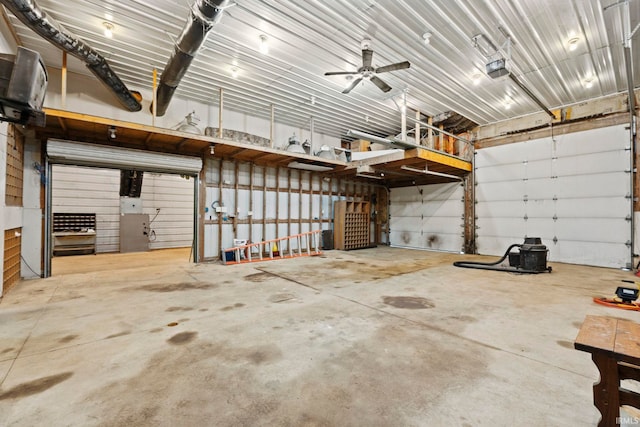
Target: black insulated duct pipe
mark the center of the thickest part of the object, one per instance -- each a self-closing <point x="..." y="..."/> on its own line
<point x="202" y="16"/>
<point x="30" y="14"/>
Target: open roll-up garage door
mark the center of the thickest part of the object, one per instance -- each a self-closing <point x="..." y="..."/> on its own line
<point x="84" y="154"/>
<point x="573" y="191"/>
<point x="107" y="157"/>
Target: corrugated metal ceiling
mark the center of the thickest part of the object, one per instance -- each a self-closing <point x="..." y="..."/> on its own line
<point x="307" y="38"/>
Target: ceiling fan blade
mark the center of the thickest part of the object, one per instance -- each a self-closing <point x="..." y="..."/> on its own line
<point x="340" y="73"/>
<point x="367" y="55"/>
<point x="378" y="82"/>
<point x="353" y="84"/>
<point x="393" y="67"/>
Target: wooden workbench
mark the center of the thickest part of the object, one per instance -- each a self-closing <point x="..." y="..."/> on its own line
<point x="614" y="345"/>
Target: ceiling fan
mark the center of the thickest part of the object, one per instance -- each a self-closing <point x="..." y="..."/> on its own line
<point x="369" y="72"/>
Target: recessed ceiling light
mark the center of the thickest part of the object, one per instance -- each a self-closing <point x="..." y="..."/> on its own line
<point x="573" y="43"/>
<point x="264" y="45"/>
<point x="476" y="78"/>
<point x="108" y="29"/>
<point x="234" y="72"/>
<point x="588" y="82"/>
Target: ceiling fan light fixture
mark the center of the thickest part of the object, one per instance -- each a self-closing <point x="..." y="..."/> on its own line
<point x="264" y="44"/>
<point x="426" y="37"/>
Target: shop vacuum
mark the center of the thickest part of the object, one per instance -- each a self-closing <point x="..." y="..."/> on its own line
<point x="531" y="258"/>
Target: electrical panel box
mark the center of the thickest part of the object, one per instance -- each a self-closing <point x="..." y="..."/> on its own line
<point x="497" y="68"/>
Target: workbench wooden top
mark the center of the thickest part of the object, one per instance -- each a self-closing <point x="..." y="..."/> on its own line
<point x="617" y="338"/>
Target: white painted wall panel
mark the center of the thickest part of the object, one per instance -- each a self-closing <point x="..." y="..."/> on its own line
<point x="90" y="190"/>
<point x="427" y="217"/>
<point x="174" y="196"/>
<point x="574" y="198"/>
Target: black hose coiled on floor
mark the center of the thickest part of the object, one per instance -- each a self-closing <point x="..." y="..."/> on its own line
<point x="494" y="265"/>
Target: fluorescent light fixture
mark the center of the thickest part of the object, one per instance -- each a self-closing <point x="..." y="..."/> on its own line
<point x="428" y="172"/>
<point x="108" y="29"/>
<point x="573" y="43"/>
<point x="264" y="45"/>
<point x="309" y="167"/>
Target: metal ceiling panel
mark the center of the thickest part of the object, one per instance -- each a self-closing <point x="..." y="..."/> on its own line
<point x="308" y="38"/>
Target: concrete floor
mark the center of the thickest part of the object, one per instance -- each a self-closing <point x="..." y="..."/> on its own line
<point x="376" y="337"/>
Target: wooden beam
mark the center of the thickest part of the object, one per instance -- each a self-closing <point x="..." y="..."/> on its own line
<point x="436" y="157"/>
<point x="14" y="34"/>
<point x="63" y="81"/>
<point x="63" y="125"/>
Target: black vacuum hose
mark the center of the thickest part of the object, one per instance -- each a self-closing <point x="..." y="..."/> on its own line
<point x="494" y="265"/>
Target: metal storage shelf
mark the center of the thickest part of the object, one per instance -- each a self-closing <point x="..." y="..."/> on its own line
<point x="74" y="233"/>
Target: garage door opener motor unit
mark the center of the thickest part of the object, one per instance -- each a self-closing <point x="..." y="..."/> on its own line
<point x="531" y="258"/>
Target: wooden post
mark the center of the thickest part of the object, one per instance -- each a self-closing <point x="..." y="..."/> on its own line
<point x="251" y="171"/>
<point x="417" y="130"/>
<point x="441" y="139"/>
<point x="430" y="132"/>
<point x="264" y="203"/>
<point x="272" y="125"/>
<point x="277" y="201"/>
<point x="289" y="207"/>
<point x="154" y="107"/>
<point x="220" y="107"/>
<point x="300" y="204"/>
<point x="63" y="90"/>
<point x="202" y="203"/>
<point x="235" y="197"/>
<point x="220" y="214"/>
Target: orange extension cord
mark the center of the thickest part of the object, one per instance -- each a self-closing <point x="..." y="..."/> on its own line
<point x="615" y="303"/>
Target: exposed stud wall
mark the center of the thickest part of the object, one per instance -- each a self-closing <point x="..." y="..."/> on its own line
<point x="264" y="203"/>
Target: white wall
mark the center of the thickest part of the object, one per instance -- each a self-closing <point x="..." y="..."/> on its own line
<point x="94" y="190"/>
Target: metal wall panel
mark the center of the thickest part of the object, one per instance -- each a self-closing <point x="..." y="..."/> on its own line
<point x="91" y="190"/>
<point x="570" y="190"/>
<point x="427" y="217"/>
<point x="173" y="195"/>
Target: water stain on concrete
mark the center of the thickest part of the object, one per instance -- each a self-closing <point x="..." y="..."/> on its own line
<point x="67" y="339"/>
<point x="7" y="350"/>
<point x="182" y="338"/>
<point x="281" y="297"/>
<point x="204" y="309"/>
<point x="156" y="330"/>
<point x="259" y="277"/>
<point x="172" y="309"/>
<point x="119" y="334"/>
<point x="565" y="344"/>
<point x="34" y="387"/>
<point x="464" y="318"/>
<point x="264" y="355"/>
<point x="176" y="287"/>
<point x="231" y="307"/>
<point x="410" y="303"/>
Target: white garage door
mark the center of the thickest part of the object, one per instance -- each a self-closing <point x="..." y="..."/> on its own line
<point x="571" y="190"/>
<point x="427" y="217"/>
